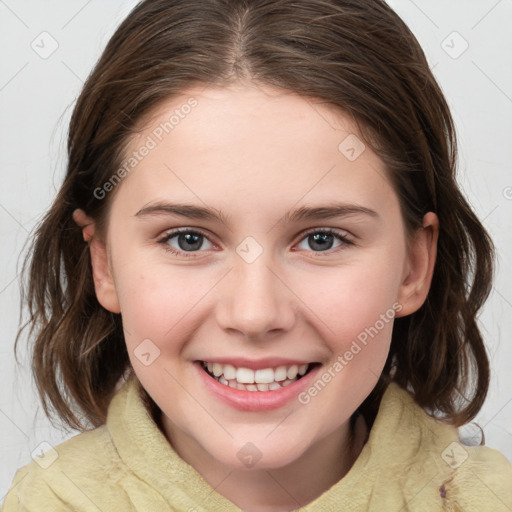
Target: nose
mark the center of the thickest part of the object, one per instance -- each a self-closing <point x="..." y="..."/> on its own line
<point x="255" y="300"/>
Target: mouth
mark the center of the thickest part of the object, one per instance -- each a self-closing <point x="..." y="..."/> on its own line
<point x="263" y="380"/>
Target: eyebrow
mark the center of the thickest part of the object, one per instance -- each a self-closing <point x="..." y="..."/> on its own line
<point x="191" y="211"/>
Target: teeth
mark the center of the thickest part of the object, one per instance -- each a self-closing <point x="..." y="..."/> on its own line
<point x="265" y="379"/>
<point x="292" y="371"/>
<point x="280" y="374"/>
<point x="229" y="372"/>
<point x="303" y="368"/>
<point x="265" y="376"/>
<point x="245" y="376"/>
<point x="217" y="369"/>
<point x="255" y="387"/>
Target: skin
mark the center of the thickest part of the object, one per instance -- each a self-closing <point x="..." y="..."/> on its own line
<point x="255" y="153"/>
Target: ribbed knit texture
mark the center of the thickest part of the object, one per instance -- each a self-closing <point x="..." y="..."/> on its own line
<point x="128" y="465"/>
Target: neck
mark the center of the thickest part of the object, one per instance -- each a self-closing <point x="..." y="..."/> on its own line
<point x="278" y="489"/>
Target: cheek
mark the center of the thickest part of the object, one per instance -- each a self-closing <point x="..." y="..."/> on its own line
<point x="351" y="296"/>
<point x="156" y="300"/>
<point x="167" y="302"/>
<point x="353" y="306"/>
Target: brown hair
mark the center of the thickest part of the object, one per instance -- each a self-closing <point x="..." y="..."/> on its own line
<point x="357" y="55"/>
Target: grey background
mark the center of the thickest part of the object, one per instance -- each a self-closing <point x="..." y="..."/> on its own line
<point x="37" y="91"/>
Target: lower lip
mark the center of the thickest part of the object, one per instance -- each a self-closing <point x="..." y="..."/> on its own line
<point x="256" y="400"/>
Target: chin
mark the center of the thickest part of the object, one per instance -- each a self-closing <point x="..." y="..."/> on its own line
<point x="256" y="455"/>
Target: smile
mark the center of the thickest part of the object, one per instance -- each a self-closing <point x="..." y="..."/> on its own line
<point x="268" y="385"/>
<point x="265" y="379"/>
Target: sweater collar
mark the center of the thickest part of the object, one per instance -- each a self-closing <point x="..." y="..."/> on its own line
<point x="148" y="454"/>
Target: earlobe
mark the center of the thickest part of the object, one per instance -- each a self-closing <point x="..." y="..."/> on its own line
<point x="103" y="281"/>
<point x="420" y="266"/>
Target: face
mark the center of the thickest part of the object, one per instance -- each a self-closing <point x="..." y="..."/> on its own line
<point x="289" y="256"/>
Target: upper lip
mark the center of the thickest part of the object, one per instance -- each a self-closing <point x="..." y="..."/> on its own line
<point x="256" y="364"/>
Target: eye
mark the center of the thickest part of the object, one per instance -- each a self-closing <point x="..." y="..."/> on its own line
<point x="321" y="240"/>
<point x="187" y="241"/>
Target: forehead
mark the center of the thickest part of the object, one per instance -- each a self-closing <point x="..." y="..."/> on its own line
<point x="251" y="146"/>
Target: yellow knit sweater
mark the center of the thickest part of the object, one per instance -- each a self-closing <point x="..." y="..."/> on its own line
<point x="410" y="462"/>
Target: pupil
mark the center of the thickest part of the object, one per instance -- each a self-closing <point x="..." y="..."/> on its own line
<point x="191" y="239"/>
<point x="323" y="239"/>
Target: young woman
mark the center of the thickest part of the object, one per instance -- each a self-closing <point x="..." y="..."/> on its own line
<point x="257" y="288"/>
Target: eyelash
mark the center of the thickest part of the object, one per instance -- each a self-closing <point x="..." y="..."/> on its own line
<point x="189" y="254"/>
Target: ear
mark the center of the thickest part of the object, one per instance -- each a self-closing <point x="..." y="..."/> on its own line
<point x="419" y="267"/>
<point x="102" y="274"/>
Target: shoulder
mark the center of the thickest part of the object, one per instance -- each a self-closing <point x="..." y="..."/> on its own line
<point x="432" y="467"/>
<point x="66" y="475"/>
<point x="102" y="469"/>
<point x="481" y="477"/>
